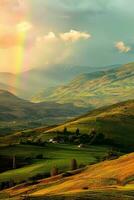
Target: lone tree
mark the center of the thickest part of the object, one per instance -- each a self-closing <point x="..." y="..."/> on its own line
<point x="77" y="131"/>
<point x="65" y="130"/>
<point x="54" y="171"/>
<point x="74" y="165"/>
<point x="14" y="162"/>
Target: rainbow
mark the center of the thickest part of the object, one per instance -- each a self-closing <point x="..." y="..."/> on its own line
<point x="21" y="51"/>
<point x="21" y="57"/>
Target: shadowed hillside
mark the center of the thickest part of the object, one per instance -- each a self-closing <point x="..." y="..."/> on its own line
<point x="16" y="112"/>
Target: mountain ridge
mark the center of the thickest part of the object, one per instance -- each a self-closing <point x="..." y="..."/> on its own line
<point x="95" y="89"/>
<point x="47" y="76"/>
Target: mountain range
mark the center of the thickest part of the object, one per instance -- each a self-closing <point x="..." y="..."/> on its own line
<point x="56" y="104"/>
<point x="28" y="83"/>
<point x="94" y="89"/>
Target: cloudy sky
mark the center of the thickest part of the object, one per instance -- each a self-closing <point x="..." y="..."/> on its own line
<point x="36" y="33"/>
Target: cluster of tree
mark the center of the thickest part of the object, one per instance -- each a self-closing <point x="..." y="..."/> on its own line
<point x="13" y="162"/>
<point x="93" y="138"/>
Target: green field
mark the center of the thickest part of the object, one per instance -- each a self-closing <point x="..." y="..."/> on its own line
<point x="54" y="155"/>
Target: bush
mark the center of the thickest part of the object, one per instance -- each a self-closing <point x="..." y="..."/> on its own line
<point x="38" y="177"/>
<point x="54" y="171"/>
<point x="28" y="159"/>
<point x="74" y="165"/>
<point x="85" y="188"/>
<point x="40" y="156"/>
<point x="6" y="184"/>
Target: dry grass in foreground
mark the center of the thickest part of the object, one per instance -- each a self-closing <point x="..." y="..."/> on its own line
<point x="115" y="175"/>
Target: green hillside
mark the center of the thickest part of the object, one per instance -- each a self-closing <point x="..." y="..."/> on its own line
<point x="116" y="122"/>
<point x="59" y="155"/>
<point x="95" y="89"/>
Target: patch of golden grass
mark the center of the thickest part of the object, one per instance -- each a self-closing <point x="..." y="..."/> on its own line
<point x="107" y="174"/>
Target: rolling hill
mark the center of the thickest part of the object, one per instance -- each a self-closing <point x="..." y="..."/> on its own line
<point x="116" y="122"/>
<point x="94" y="89"/>
<point x="106" y="180"/>
<point x="103" y="175"/>
<point x="48" y="76"/>
<point x="16" y="112"/>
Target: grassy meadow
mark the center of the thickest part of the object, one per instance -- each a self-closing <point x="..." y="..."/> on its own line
<point x="59" y="155"/>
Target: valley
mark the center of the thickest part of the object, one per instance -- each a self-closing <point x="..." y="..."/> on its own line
<point x="38" y="151"/>
<point x="64" y="144"/>
<point x="66" y="100"/>
<point x="18" y="114"/>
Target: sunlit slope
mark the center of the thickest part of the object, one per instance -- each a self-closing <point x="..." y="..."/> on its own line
<point x="116" y="122"/>
<point x="95" y="89"/>
<point x="114" y="179"/>
<point x="115" y="173"/>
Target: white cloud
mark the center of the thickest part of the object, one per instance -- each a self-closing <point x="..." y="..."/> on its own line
<point x="50" y="37"/>
<point x="74" y="36"/>
<point x="122" y="47"/>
